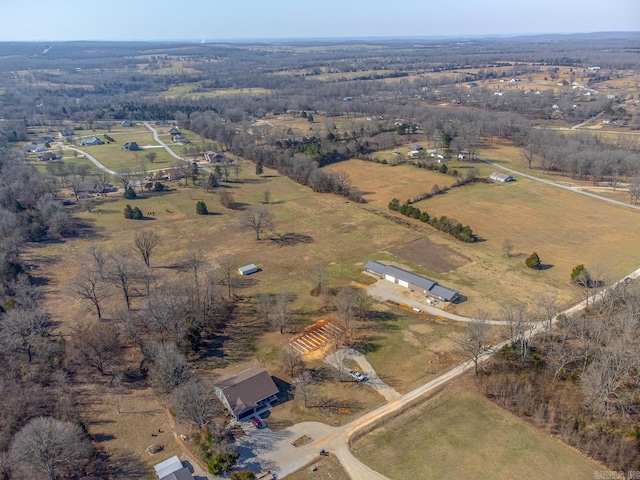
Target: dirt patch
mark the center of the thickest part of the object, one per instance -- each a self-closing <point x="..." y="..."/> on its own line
<point x="433" y="256"/>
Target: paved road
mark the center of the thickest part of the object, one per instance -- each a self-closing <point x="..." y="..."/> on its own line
<point x="337" y="358"/>
<point x="169" y="149"/>
<point x="274" y="451"/>
<point x="384" y="290"/>
<point x="91" y="158"/>
<point x="557" y="185"/>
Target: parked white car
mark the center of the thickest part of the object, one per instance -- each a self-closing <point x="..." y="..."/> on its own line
<point x="357" y="375"/>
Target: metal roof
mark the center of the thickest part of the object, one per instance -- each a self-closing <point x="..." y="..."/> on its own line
<point x="418" y="280"/>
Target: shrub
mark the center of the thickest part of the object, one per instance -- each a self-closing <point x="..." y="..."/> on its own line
<point x="580" y="276"/>
<point x="222" y="462"/>
<point x="443" y="168"/>
<point x="128" y="211"/>
<point x="158" y="187"/>
<point x="394" y="205"/>
<point x="129" y="193"/>
<point x="201" y="208"/>
<point x="136" y="214"/>
<point x="533" y="261"/>
<point x="243" y="475"/>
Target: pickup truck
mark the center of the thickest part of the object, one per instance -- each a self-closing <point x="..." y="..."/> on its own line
<point x="357" y="375"/>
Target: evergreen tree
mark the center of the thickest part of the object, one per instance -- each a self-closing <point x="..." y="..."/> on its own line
<point x="201" y="208"/>
<point x="259" y="169"/>
<point x="129" y="193"/>
<point x="533" y="261"/>
<point x="128" y="211"/>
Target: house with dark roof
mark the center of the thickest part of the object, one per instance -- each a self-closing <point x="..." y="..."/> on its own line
<point x="412" y="281"/>
<point x="46" y="156"/>
<point x="174" y="131"/>
<point x="248" y="393"/>
<point x="214" y="157"/>
<point x="127" y="123"/>
<point x="180" y="139"/>
<point x="66" y="133"/>
<point x="131" y="146"/>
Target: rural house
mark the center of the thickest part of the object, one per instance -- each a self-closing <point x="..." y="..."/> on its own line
<point x="180" y="139"/>
<point x="127" y="123"/>
<point x="412" y="281"/>
<point x="501" y="177"/>
<point x="46" y="156"/>
<point x="214" y="157"/>
<point x="130" y="146"/>
<point x="172" y="469"/>
<point x="174" y="131"/>
<point x="91" y="141"/>
<point x="247" y="393"/>
<point x="66" y="133"/>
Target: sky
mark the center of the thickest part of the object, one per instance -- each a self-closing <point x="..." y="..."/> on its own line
<point x="214" y="20"/>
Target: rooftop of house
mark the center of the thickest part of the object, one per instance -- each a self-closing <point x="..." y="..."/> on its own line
<point x="247" y="388"/>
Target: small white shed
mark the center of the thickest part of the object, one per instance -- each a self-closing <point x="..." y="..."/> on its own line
<point x="248" y="269"/>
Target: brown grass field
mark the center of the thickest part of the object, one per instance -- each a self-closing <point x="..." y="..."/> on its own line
<point x="327" y="467"/>
<point x="460" y="434"/>
<point x="564" y="228"/>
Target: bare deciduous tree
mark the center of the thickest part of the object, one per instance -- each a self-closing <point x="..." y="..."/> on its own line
<point x="96" y="346"/>
<point x="264" y="306"/>
<point x="169" y="367"/>
<point x="50" y="448"/>
<point x="145" y="242"/>
<point x="122" y="274"/>
<point x="258" y="219"/>
<point x="474" y="346"/>
<point x="304" y="384"/>
<point x="281" y="316"/>
<point x="24" y="328"/>
<point x="507" y="246"/>
<point x="196" y="402"/>
<point x="90" y="285"/>
<point x="291" y="361"/>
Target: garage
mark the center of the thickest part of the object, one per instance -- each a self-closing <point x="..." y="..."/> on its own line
<point x="390" y="278"/>
<point x="403" y="283"/>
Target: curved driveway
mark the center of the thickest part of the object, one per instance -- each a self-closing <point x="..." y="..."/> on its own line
<point x="275" y="451"/>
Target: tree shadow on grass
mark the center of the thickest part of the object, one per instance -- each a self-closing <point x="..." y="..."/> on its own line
<point x="119" y="465"/>
<point x="290" y="239"/>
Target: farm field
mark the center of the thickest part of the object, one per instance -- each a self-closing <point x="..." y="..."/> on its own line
<point x="460" y="434"/>
<point x="564" y="228"/>
<point x="193" y="90"/>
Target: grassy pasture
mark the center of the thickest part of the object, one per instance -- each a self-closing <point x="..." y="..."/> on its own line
<point x="380" y="183"/>
<point x="565" y="228"/>
<point x="460" y="434"/>
<point x="328" y="467"/>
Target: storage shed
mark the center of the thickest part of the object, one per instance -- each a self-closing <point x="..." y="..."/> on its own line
<point x="248" y="269"/>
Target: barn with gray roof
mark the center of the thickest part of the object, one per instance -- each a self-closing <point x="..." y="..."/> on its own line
<point x="412" y="281"/>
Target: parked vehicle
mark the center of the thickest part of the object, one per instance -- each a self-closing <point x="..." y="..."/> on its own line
<point x="257" y="422"/>
<point x="357" y="375"/>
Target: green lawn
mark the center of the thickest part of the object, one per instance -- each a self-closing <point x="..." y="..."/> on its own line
<point x="460" y="434"/>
